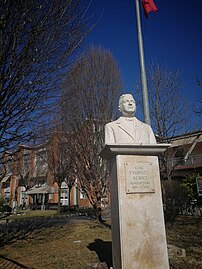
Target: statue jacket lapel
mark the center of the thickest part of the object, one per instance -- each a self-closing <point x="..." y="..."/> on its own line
<point x="132" y="133"/>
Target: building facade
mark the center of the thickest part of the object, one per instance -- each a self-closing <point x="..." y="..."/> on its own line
<point x="185" y="155"/>
<point x="27" y="182"/>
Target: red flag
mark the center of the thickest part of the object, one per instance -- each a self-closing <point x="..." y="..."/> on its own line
<point x="148" y="6"/>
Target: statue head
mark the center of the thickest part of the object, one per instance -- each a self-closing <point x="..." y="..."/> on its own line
<point x="127" y="105"/>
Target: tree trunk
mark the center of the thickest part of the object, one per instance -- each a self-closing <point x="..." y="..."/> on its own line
<point x="59" y="204"/>
<point x="98" y="212"/>
<point x="69" y="196"/>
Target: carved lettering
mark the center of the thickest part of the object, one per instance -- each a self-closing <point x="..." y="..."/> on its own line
<point x="138" y="178"/>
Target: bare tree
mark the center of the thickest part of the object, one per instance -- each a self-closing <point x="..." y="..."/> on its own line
<point x="37" y="39"/>
<point x="168" y="116"/>
<point x="167" y="105"/>
<point x="60" y="162"/>
<point x="89" y="100"/>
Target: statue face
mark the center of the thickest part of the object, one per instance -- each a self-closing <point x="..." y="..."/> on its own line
<point x="128" y="105"/>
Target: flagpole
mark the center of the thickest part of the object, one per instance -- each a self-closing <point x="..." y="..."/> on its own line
<point x="143" y="76"/>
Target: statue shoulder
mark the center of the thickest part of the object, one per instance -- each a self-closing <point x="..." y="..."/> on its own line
<point x="113" y="123"/>
<point x="142" y="123"/>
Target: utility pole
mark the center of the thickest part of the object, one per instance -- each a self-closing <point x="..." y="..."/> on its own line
<point x="143" y="76"/>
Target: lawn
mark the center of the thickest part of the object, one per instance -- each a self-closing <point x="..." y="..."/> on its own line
<point x="186" y="233"/>
<point x="61" y="242"/>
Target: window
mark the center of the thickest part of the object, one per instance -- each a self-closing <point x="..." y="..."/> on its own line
<point x="7" y="195"/>
<point x="22" y="196"/>
<point x="26" y="163"/>
<point x="82" y="194"/>
<point x="64" y="194"/>
<point x="8" y="167"/>
<point x="179" y="153"/>
<point x="41" y="163"/>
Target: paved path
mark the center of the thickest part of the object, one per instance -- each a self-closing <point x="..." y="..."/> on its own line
<point x="6" y="263"/>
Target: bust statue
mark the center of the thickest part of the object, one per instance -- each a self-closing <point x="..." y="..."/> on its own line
<point x="128" y="129"/>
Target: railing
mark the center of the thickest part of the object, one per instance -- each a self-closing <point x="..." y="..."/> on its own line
<point x="192" y="160"/>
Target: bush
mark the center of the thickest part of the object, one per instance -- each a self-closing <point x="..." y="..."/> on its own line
<point x="174" y="198"/>
<point x="87" y="211"/>
<point x="6" y="208"/>
<point x="69" y="209"/>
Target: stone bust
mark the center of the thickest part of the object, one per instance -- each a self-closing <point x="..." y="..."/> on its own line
<point x="128" y="129"/>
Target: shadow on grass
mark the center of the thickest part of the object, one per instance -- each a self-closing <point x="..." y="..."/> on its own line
<point x="22" y="229"/>
<point x="6" y="263"/>
<point x="189" y="220"/>
<point x="103" y="250"/>
<point x="105" y="224"/>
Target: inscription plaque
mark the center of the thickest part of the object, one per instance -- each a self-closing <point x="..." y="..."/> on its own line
<point x="139" y="177"/>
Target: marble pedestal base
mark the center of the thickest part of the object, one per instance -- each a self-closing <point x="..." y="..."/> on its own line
<point x="138" y="230"/>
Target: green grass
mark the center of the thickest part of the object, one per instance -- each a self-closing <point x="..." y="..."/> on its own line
<point x="80" y="243"/>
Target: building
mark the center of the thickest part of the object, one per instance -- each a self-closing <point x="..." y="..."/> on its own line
<point x="185" y="155"/>
<point x="183" y="162"/>
<point x="27" y="181"/>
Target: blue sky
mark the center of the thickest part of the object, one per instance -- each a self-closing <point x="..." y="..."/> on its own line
<point x="172" y="37"/>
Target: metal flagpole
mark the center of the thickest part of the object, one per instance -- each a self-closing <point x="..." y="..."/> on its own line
<point x="142" y="67"/>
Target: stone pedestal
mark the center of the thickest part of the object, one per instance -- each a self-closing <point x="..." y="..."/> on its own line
<point x="138" y="230"/>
